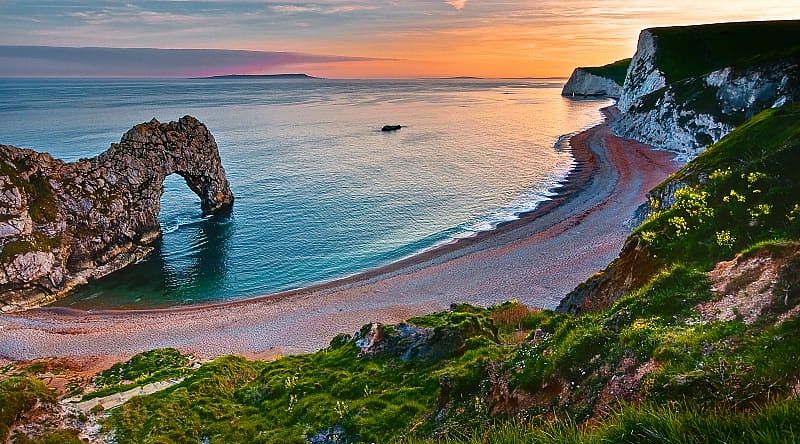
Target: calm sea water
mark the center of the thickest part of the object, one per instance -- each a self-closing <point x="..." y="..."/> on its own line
<point x="321" y="193"/>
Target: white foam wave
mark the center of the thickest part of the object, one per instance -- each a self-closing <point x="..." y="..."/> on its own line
<point x="179" y="222"/>
<point x="528" y="201"/>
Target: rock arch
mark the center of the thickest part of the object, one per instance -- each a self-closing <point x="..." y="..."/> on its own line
<point x="63" y="224"/>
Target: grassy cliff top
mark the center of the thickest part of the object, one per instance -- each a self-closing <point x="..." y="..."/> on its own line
<point x="688" y="51"/>
<point x="615" y="71"/>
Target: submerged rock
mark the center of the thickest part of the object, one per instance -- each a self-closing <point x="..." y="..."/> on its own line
<point x="387" y="128"/>
<point x="64" y="224"/>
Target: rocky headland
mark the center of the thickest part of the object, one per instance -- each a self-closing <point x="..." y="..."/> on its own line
<point x="64" y="224"/>
<point x="688" y="87"/>
<point x="602" y="81"/>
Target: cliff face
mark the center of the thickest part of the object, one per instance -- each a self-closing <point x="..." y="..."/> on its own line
<point x="583" y="83"/>
<point x="688" y="87"/>
<point x="597" y="81"/>
<point x="63" y="224"/>
<point x="689" y="115"/>
<point x="643" y="75"/>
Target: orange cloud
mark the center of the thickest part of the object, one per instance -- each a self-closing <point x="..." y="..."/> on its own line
<point x="458" y="4"/>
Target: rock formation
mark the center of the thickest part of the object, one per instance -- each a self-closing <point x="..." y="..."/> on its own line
<point x="64" y="224"/>
<point x="584" y="83"/>
<point x="643" y="76"/>
<point x="688" y="87"/>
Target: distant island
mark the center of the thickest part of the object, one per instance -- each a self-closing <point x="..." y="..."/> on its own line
<point x="265" y="76"/>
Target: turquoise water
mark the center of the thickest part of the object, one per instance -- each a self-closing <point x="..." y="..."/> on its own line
<point x="321" y="193"/>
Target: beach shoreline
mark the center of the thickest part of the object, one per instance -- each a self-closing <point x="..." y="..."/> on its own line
<point x="536" y="258"/>
<point x="574" y="180"/>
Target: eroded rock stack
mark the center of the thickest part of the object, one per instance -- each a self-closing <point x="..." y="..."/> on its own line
<point x="64" y="224"/>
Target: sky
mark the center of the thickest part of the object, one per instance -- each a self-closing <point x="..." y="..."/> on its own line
<point x="343" y="38"/>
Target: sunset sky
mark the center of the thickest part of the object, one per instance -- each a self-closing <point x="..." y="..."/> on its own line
<point x="348" y="38"/>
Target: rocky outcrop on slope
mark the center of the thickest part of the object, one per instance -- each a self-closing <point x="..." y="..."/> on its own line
<point x="633" y="268"/>
<point x="584" y="83"/>
<point x="411" y="342"/>
<point x="64" y="224"/>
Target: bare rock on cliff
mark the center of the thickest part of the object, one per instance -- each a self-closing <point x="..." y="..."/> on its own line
<point x="689" y="115"/>
<point x="689" y="86"/>
<point x="64" y="224"/>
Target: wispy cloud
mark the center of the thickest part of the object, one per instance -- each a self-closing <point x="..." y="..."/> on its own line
<point x="320" y="8"/>
<point x="458" y="4"/>
<point x="490" y="37"/>
<point x="53" y="61"/>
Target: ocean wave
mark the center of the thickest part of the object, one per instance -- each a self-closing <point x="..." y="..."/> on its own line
<point x="175" y="224"/>
<point x="559" y="143"/>
<point x="525" y="203"/>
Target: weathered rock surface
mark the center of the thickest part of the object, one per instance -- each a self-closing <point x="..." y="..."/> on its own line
<point x="584" y="83"/>
<point x="412" y="342"/>
<point x="632" y="269"/>
<point x="689" y="115"/>
<point x="64" y="224"/>
<point x="408" y="342"/>
<point x="643" y="76"/>
<point x="688" y="112"/>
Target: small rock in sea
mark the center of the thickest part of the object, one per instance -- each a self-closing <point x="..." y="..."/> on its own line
<point x="387" y="128"/>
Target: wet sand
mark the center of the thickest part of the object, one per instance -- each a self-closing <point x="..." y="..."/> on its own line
<point x="537" y="259"/>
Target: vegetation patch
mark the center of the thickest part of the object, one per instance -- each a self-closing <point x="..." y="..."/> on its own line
<point x="42" y="204"/>
<point x="144" y="368"/>
<point x="615" y="71"/>
<point x="33" y="243"/>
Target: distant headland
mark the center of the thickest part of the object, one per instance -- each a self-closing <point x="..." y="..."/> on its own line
<point x="265" y="76"/>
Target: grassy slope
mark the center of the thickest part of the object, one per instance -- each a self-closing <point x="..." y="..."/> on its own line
<point x="688" y="51"/>
<point x="21" y="395"/>
<point x="615" y="71"/>
<point x="744" y="186"/>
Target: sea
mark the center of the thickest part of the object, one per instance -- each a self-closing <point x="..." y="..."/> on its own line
<point x="321" y="192"/>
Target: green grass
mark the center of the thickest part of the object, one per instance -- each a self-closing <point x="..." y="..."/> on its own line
<point x="19" y="394"/>
<point x="385" y="397"/>
<point x="143" y="368"/>
<point x="688" y="51"/>
<point x="615" y="71"/>
<point x="741" y="191"/>
<point x="371" y="398"/>
<point x="52" y="437"/>
<point x="775" y="423"/>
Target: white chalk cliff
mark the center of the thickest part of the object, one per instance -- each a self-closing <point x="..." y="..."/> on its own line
<point x="584" y="83"/>
<point x="643" y="75"/>
<point x="688" y="115"/>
